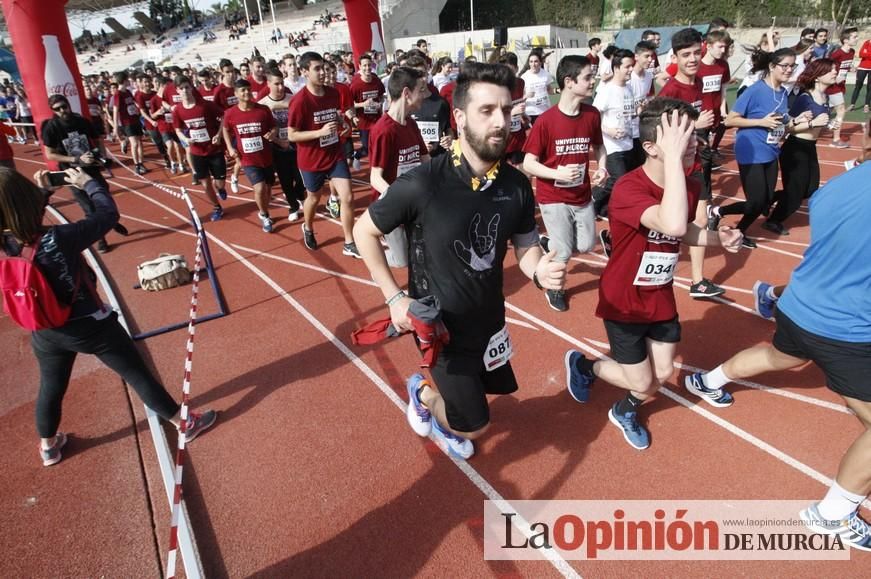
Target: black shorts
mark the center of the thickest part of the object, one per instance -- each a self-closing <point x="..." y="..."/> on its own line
<point x="260" y="175"/>
<point x="214" y="166"/>
<point x="169" y="136"/>
<point x="629" y="341"/>
<point x="464" y="384"/>
<point x="847" y="365"/>
<point x="134" y="130"/>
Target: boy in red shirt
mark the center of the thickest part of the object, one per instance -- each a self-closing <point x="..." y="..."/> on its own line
<point x="161" y="111"/>
<point x="398" y="146"/>
<point x="686" y="85"/>
<point x="143" y="100"/>
<point x="126" y="121"/>
<point x="202" y="121"/>
<point x="225" y="96"/>
<point x="843" y="58"/>
<point x="346" y="103"/>
<point x="368" y="92"/>
<point x="558" y="155"/>
<point x="249" y="129"/>
<point x="314" y="122"/>
<point x="258" y="78"/>
<point x="651" y="214"/>
<point x="208" y="88"/>
<point x="519" y="121"/>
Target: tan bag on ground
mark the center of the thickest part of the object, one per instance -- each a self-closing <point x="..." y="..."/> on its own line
<point x="163" y="273"/>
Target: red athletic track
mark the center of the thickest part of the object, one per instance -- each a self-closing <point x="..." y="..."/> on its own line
<point x="312" y="470"/>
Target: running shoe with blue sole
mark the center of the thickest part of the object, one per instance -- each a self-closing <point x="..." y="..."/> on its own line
<point x="695" y="383"/>
<point x="456" y="446"/>
<point x="635" y="434"/>
<point x="419" y="417"/>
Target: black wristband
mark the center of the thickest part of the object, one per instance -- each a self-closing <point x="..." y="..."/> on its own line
<point x="536" y="282"/>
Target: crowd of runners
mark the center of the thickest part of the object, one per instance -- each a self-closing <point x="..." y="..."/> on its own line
<point x="452" y="153"/>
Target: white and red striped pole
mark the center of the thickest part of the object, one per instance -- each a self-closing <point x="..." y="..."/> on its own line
<point x="186" y="388"/>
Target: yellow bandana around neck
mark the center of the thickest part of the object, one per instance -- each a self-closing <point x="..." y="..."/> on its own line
<point x="462" y="165"/>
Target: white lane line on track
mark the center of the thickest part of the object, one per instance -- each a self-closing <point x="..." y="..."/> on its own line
<point x="471" y="473"/>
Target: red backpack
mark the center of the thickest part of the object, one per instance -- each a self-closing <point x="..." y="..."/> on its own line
<point x="27" y="296"/>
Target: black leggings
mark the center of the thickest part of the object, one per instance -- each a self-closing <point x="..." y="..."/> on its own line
<point x="800" y="173"/>
<point x="289" y="177"/>
<point x="758" y="181"/>
<point x="56" y="351"/>
<point x="861" y="75"/>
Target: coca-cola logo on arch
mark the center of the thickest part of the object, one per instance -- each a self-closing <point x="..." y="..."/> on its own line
<point x="67" y="89"/>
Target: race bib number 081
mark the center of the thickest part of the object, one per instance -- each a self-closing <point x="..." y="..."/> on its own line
<point x="499" y="350"/>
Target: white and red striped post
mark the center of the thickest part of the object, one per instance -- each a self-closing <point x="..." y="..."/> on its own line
<point x="186" y="388"/>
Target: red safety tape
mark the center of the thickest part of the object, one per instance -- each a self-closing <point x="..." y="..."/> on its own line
<point x="183" y="413"/>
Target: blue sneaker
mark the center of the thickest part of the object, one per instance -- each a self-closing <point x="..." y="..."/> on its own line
<point x="635" y="434"/>
<point x="854" y="530"/>
<point x="577" y="381"/>
<point x="419" y="417"/>
<point x="695" y="383"/>
<point x="222" y="194"/>
<point x="763" y="304"/>
<point x="217" y="213"/>
<point x="454" y="445"/>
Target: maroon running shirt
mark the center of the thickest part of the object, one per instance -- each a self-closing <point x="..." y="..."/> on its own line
<point x="558" y="139"/>
<point x="249" y="127"/>
<point x="395" y="148"/>
<point x="688" y="93"/>
<point x="202" y="122"/>
<point x="128" y="112"/>
<point x="636" y="286"/>
<point x="142" y="99"/>
<point x="517" y="136"/>
<point x="843" y="61"/>
<point x="362" y="91"/>
<point x="226" y="97"/>
<point x="714" y="77"/>
<point x="309" y="113"/>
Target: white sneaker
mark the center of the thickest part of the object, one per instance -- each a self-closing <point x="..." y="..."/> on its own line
<point x="850" y="164"/>
<point x="419" y="417"/>
<point x="355" y="164"/>
<point x="234" y="185"/>
<point x="293" y="216"/>
<point x="266" y="222"/>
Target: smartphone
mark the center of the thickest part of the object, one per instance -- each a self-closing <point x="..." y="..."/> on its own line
<point x="57" y="178"/>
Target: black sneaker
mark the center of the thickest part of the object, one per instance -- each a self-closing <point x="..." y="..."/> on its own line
<point x="309" y="238"/>
<point x="350" y="249"/>
<point x="102" y="246"/>
<point x="140" y="169"/>
<point x="705" y="289"/>
<point x="194" y="180"/>
<point x="713" y="218"/>
<point x="556" y="299"/>
<point x="605" y="238"/>
<point x="776" y="228"/>
<point x="544" y="242"/>
<point x="167" y="161"/>
<point x="748" y="243"/>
